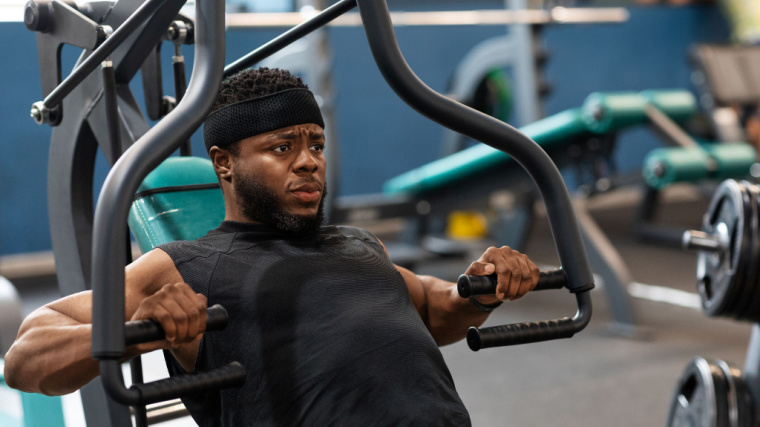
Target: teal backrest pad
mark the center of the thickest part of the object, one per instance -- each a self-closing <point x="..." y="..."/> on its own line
<point x="179" y="200"/>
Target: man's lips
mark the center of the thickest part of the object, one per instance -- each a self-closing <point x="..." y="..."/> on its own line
<point x="307" y="193"/>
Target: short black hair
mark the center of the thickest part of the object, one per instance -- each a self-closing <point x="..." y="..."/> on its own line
<point x="254" y="83"/>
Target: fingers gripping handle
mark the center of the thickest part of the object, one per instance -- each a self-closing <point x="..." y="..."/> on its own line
<point x="140" y="331"/>
<point x="147" y="330"/>
<point x="520" y="333"/>
<point x="470" y="286"/>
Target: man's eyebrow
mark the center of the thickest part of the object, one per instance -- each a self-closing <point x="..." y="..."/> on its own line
<point x="294" y="135"/>
<point x="282" y="135"/>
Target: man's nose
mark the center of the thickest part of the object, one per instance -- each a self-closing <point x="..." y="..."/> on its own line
<point x="306" y="161"/>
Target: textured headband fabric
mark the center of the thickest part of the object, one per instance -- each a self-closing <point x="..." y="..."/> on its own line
<point x="244" y="119"/>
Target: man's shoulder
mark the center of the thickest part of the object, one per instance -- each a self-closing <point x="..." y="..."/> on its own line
<point x="356" y="232"/>
<point x="213" y="242"/>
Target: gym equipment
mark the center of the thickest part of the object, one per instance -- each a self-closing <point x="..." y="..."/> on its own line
<point x="470" y="286"/>
<point x="37" y="410"/>
<point x="729" y="247"/>
<point x="10" y="314"/>
<point x="707" y="161"/>
<point x="713" y="392"/>
<point x="689" y="159"/>
<point x="140" y="331"/>
<point x="726" y="78"/>
<point x="181" y="197"/>
<point x="601" y="113"/>
<point x="76" y="136"/>
<point x="685" y="160"/>
<point x="477" y="338"/>
<point x="582" y="136"/>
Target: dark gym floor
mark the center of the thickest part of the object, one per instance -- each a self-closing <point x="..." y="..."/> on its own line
<point x="599" y="377"/>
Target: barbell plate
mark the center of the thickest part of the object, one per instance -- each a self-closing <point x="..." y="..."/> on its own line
<point x="749" y="297"/>
<point x="740" y="404"/>
<point x="753" y="290"/>
<point x="718" y="271"/>
<point x="731" y="396"/>
<point x="737" y="307"/>
<point x="737" y="285"/>
<point x="745" y="400"/>
<point x="700" y="397"/>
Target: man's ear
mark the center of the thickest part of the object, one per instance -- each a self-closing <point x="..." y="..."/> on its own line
<point x="221" y="159"/>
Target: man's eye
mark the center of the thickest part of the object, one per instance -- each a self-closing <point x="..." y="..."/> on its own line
<point x="281" y="148"/>
<point x="318" y="147"/>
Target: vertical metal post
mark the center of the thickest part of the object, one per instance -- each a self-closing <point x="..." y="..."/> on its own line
<point x="752" y="367"/>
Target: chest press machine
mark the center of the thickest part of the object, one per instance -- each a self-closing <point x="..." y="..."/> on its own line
<point x="90" y="251"/>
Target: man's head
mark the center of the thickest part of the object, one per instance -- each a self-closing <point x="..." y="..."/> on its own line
<point x="265" y="138"/>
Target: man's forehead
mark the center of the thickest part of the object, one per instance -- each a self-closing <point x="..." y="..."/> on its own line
<point x="309" y="129"/>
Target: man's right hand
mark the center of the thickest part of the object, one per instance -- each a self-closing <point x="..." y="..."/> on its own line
<point x="179" y="310"/>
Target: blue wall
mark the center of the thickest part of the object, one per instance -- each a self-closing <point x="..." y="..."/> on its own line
<point x="380" y="136"/>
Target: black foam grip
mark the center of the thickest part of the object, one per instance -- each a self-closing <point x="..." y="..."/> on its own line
<point x="470" y="286"/>
<point x="520" y="333"/>
<point x="147" y="330"/>
<point x="231" y="375"/>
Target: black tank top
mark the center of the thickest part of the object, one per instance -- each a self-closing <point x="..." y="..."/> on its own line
<point x="325" y="328"/>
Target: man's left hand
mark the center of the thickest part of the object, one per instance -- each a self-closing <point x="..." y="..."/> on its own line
<point x="516" y="273"/>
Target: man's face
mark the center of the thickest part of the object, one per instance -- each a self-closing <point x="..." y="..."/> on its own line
<point x="279" y="177"/>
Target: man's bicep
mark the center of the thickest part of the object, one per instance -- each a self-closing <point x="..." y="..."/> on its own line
<point x="416" y="290"/>
<point x="143" y="278"/>
<point x="146" y="276"/>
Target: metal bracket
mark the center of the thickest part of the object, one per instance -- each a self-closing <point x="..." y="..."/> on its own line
<point x="57" y="23"/>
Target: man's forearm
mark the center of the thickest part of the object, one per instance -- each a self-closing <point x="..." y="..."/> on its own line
<point x="448" y="315"/>
<point x="50" y="356"/>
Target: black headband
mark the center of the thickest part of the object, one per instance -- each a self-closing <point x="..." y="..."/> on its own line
<point x="244" y="119"/>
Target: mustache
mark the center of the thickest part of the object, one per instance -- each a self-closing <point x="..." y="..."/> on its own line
<point x="304" y="181"/>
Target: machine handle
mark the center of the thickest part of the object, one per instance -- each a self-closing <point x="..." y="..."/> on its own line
<point x="470" y="286"/>
<point x="230" y="375"/>
<point x="147" y="330"/>
<point x="520" y="333"/>
<point x="227" y="376"/>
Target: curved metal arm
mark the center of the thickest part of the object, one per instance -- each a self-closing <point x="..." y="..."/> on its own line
<point x="465" y="120"/>
<point x="109" y="243"/>
<point x="318" y="21"/>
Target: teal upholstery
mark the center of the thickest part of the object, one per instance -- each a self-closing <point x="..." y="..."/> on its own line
<point x="717" y="161"/>
<point x="37" y="410"/>
<point x="179" y="200"/>
<point x="601" y="113"/>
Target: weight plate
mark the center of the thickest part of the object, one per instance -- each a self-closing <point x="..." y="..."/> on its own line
<point x="738" y="282"/>
<point x="740" y="405"/>
<point x="717" y="271"/>
<point x="700" y="397"/>
<point x="749" y="296"/>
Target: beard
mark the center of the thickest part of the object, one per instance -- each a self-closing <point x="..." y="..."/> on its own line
<point x="260" y="203"/>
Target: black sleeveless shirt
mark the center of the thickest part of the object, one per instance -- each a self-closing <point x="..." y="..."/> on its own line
<point x="325" y="328"/>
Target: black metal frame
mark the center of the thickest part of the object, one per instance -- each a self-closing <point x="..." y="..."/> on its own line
<point x="151" y="146"/>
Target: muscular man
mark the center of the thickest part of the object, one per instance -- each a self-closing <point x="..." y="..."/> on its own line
<point x="328" y="329"/>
